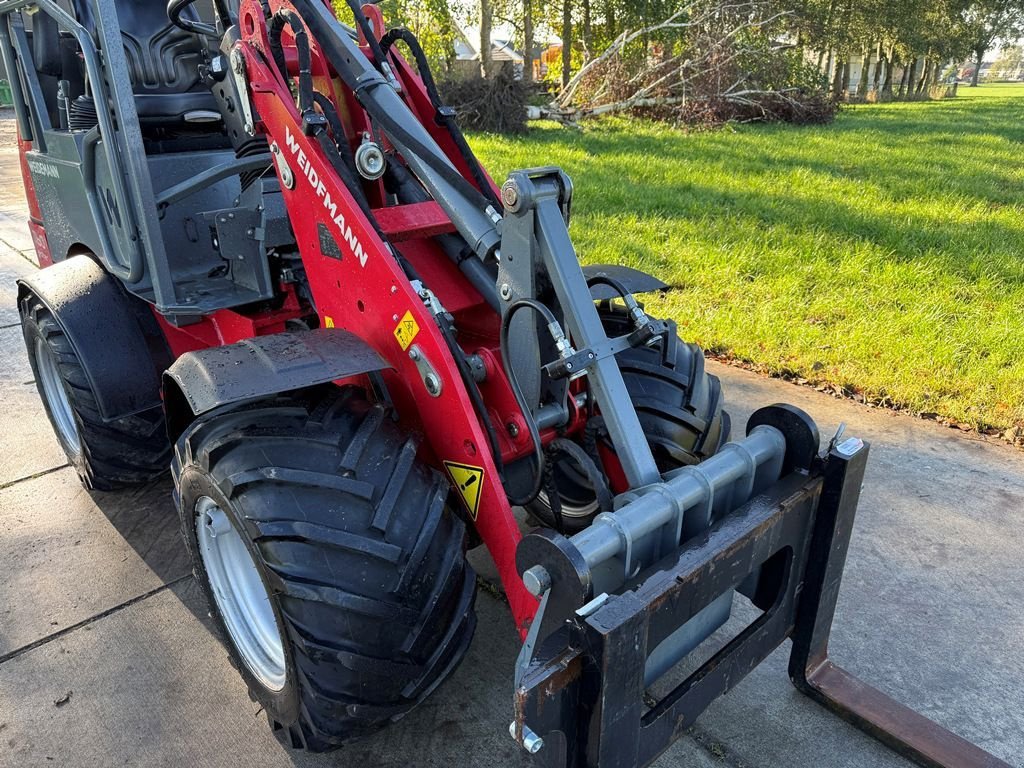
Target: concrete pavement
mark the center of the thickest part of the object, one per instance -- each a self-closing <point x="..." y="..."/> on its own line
<point x="106" y="657"/>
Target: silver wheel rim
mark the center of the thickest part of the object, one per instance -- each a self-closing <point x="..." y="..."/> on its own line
<point x="569" y="509"/>
<point x="56" y="396"/>
<point x="241" y="597"/>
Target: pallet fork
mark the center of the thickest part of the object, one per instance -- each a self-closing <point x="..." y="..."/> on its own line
<point x="295" y="217"/>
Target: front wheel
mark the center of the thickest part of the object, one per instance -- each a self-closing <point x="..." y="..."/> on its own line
<point x="334" y="570"/>
<point x="680" y="408"/>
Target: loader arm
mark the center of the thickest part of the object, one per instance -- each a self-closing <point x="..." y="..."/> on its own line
<point x="379" y="350"/>
<point x="768" y="519"/>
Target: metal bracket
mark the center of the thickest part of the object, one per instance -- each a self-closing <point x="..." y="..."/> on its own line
<point x="287" y="177"/>
<point x="238" y="72"/>
<point x="431" y="381"/>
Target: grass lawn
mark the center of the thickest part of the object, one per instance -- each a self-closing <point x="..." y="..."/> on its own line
<point x="882" y="255"/>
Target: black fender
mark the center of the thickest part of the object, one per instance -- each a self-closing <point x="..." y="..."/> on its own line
<point x="115" y="334"/>
<point x="633" y="280"/>
<point x="201" y="381"/>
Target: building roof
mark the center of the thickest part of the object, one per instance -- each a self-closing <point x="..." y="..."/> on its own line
<point x="467" y="43"/>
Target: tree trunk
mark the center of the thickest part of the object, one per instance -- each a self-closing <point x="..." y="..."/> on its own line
<point x="566" y="42"/>
<point x="890" y="72"/>
<point x="878" y="68"/>
<point x="926" y="76"/>
<point x="908" y="75"/>
<point x="527" y="41"/>
<point x="837" y="80"/>
<point x="846" y="80"/>
<point x="588" y="31"/>
<point x="865" y="73"/>
<point x="609" y="19"/>
<point x="979" y="58"/>
<point x="486" y="54"/>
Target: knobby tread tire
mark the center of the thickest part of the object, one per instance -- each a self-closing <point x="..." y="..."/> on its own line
<point x="128" y="451"/>
<point x="679" y="405"/>
<point x="353" y="537"/>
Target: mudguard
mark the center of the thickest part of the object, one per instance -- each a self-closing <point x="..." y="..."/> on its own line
<point x="200" y="381"/>
<point x="633" y="280"/>
<point x="115" y="335"/>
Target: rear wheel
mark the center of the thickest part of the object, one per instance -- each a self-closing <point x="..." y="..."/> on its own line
<point x="107" y="454"/>
<point x="333" y="567"/>
<point x="679" y="406"/>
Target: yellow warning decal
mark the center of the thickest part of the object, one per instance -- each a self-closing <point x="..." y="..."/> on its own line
<point x="469" y="481"/>
<point x="406" y="331"/>
<point x="328" y="321"/>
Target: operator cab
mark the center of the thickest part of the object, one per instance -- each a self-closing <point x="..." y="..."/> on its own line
<point x="163" y="65"/>
<point x="191" y="217"/>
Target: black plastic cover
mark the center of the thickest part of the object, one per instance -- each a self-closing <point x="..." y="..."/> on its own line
<point x="633" y="280"/>
<point x="266" y="365"/>
<point x="114" y="334"/>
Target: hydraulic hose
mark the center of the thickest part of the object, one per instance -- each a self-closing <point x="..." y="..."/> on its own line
<point x="174" y="10"/>
<point x="337" y="130"/>
<point x="278" y="23"/>
<point x="594" y="475"/>
<point x="612" y="283"/>
<point x="531" y="422"/>
<point x="442" y="115"/>
<point x="474" y="393"/>
<point x="377" y="55"/>
<point x="388" y="110"/>
<point x="220" y="7"/>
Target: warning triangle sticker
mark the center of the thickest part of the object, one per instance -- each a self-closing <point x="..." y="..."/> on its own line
<point x="406" y="330"/>
<point x="469" y="481"/>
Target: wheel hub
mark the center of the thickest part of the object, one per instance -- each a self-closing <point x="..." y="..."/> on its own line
<point x="240" y="594"/>
<point x="56" y="396"/>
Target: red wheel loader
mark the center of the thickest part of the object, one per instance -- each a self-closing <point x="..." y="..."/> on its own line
<point x="273" y="264"/>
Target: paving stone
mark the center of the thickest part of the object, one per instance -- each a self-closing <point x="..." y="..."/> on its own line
<point x="150" y="686"/>
<point x="67" y="554"/>
<point x="27" y="443"/>
<point x="12" y="266"/>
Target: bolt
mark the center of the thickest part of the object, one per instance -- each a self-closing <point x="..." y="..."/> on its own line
<point x="532" y="743"/>
<point x="510" y="195"/>
<point x="537" y="580"/>
<point x="237" y="62"/>
<point x="414" y="354"/>
<point x="506" y="291"/>
<point x="394" y="289"/>
<point x="433" y="384"/>
<point x="513" y="429"/>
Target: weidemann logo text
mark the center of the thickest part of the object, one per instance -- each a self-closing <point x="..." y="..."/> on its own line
<point x="338" y="217"/>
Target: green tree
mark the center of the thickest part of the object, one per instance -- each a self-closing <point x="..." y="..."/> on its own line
<point x="1008" y="65"/>
<point x="985" y="21"/>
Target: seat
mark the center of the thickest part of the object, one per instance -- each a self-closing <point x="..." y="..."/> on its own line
<point x="163" y="63"/>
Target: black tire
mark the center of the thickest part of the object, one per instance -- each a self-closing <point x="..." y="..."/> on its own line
<point x="679" y="406"/>
<point x="355" y="545"/>
<point x="108" y="455"/>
